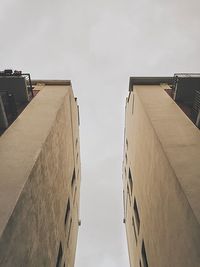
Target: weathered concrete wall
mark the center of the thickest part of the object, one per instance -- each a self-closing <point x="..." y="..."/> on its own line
<point x="169" y="224"/>
<point x="37" y="161"/>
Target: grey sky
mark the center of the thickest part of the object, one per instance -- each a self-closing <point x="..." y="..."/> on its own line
<point x="98" y="44"/>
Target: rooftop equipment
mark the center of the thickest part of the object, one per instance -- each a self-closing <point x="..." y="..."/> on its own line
<point x="15" y="92"/>
<point x="187" y="92"/>
<point x="196" y="108"/>
<point x="185" y="85"/>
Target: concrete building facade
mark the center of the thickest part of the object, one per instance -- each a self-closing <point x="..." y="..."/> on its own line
<point x="161" y="174"/>
<point x="40" y="180"/>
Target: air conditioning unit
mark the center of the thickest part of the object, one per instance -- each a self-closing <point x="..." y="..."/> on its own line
<point x="3" y="115"/>
<point x="198" y="120"/>
<point x="17" y="86"/>
<point x="196" y="108"/>
<point x="8" y="109"/>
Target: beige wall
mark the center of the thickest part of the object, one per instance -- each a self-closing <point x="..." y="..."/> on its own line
<point x="38" y="154"/>
<point x="169" y="223"/>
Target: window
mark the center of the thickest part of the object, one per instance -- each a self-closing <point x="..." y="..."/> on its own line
<point x="73" y="178"/>
<point x="137" y="218"/>
<point x="74" y="195"/>
<point x="140" y="264"/>
<point x="126" y="158"/>
<point x="77" y="175"/>
<point x="144" y="256"/>
<point x="133" y="104"/>
<point x="69" y="232"/>
<point x="59" y="258"/>
<point x="130" y="180"/>
<point x="128" y="193"/>
<point x="126" y="143"/>
<point x="124" y="205"/>
<point x="67" y="212"/>
<point x="78" y="115"/>
<point x="133" y="223"/>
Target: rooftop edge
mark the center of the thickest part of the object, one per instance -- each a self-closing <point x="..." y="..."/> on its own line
<point x="52" y="82"/>
<point x="144" y="80"/>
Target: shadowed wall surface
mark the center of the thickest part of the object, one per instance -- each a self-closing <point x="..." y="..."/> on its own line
<point x="39" y="176"/>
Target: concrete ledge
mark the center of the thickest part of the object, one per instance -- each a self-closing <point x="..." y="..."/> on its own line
<point x="52" y="82"/>
<point x="149" y="81"/>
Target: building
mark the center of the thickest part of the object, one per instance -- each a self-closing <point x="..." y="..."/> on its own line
<point x="161" y="171"/>
<point x="39" y="174"/>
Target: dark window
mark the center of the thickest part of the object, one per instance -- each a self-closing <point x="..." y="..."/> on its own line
<point x="69" y="232"/>
<point x="128" y="193"/>
<point x="124" y="205"/>
<point x="73" y="178"/>
<point x="77" y="175"/>
<point x="59" y="258"/>
<point x="67" y="212"/>
<point x="78" y="115"/>
<point x="137" y="218"/>
<point x="133" y="223"/>
<point x="144" y="256"/>
<point x="74" y="195"/>
<point x="133" y="104"/>
<point x="130" y="180"/>
<point x="140" y="264"/>
<point x="126" y="158"/>
<point x="127" y="143"/>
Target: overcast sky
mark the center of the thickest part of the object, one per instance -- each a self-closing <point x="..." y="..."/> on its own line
<point x="98" y="44"/>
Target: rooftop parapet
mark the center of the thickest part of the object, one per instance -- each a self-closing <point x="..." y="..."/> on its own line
<point x="185" y="91"/>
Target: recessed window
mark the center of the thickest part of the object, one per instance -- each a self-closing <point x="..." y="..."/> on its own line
<point x="67" y="212"/>
<point x="126" y="158"/>
<point x="133" y="223"/>
<point x="128" y="193"/>
<point x="130" y="179"/>
<point x="70" y="226"/>
<point x="136" y="213"/>
<point x="59" y="258"/>
<point x="133" y="104"/>
<point x="140" y="264"/>
<point x="73" y="178"/>
<point x="144" y="256"/>
<point x="124" y="204"/>
<point x="75" y="195"/>
<point x="78" y="115"/>
<point x="126" y="143"/>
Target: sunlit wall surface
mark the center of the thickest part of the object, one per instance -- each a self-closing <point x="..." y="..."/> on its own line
<point x="161" y="173"/>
